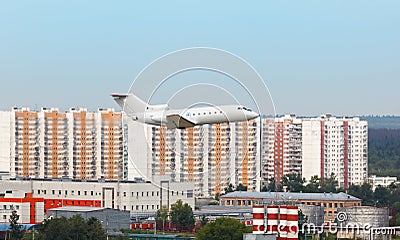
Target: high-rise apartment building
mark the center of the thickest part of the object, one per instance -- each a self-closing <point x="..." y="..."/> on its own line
<point x="5" y="140"/>
<point x="345" y="148"/>
<point x="282" y="153"/>
<point x="76" y="144"/>
<point x="316" y="146"/>
<point x="211" y="156"/>
<point x="25" y="147"/>
<point x="52" y="146"/>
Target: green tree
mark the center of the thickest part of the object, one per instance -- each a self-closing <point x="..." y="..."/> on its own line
<point x="272" y="186"/>
<point x="313" y="186"/>
<point x="73" y="228"/>
<point x="203" y="220"/>
<point x="381" y="196"/>
<point x="293" y="182"/>
<point x="79" y="226"/>
<point x="16" y="231"/>
<point x="57" y="229"/>
<point x="182" y="216"/>
<point x="329" y="184"/>
<point x="223" y="229"/>
<point x="241" y="187"/>
<point x="162" y="217"/>
<point x="367" y="195"/>
<point x="95" y="230"/>
<point x="264" y="188"/>
<point x="301" y="221"/>
<point x="229" y="188"/>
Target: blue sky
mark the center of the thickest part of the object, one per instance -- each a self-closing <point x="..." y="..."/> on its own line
<point x="341" y="57"/>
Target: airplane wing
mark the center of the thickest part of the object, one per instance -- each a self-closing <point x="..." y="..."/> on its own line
<point x="177" y="121"/>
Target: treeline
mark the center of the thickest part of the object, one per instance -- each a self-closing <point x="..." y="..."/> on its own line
<point x="75" y="227"/>
<point x="384" y="152"/>
<point x="293" y="182"/>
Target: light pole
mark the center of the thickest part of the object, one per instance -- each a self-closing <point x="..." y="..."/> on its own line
<point x="155" y="223"/>
<point x="106" y="226"/>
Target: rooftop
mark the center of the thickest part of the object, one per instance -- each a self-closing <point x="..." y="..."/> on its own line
<point x="292" y="196"/>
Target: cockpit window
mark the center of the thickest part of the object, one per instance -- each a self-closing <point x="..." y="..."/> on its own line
<point x="244" y="108"/>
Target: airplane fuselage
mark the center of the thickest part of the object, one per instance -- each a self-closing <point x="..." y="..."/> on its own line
<point x="161" y="115"/>
<point x="200" y="115"/>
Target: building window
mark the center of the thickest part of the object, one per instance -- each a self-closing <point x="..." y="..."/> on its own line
<point x="124" y="194"/>
<point x="85" y="193"/>
<point x="189" y="194"/>
<point x="79" y="193"/>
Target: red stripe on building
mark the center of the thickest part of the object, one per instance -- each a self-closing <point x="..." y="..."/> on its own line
<point x="322" y="163"/>
<point x="50" y="203"/>
<point x="346" y="154"/>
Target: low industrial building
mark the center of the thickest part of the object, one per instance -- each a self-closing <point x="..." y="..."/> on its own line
<point x="376" y="181"/>
<point x="133" y="196"/>
<point x="110" y="219"/>
<point x="330" y="201"/>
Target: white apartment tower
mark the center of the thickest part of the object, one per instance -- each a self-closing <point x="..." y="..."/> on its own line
<point x="5" y="140"/>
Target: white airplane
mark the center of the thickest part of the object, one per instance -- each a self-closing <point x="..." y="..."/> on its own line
<point x="161" y="115"/>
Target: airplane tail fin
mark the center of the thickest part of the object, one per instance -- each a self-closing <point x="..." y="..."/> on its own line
<point x="129" y="102"/>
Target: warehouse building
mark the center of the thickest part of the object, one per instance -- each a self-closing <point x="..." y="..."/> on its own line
<point x="135" y="196"/>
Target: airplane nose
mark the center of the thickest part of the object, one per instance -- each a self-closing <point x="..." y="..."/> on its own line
<point x="252" y="115"/>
